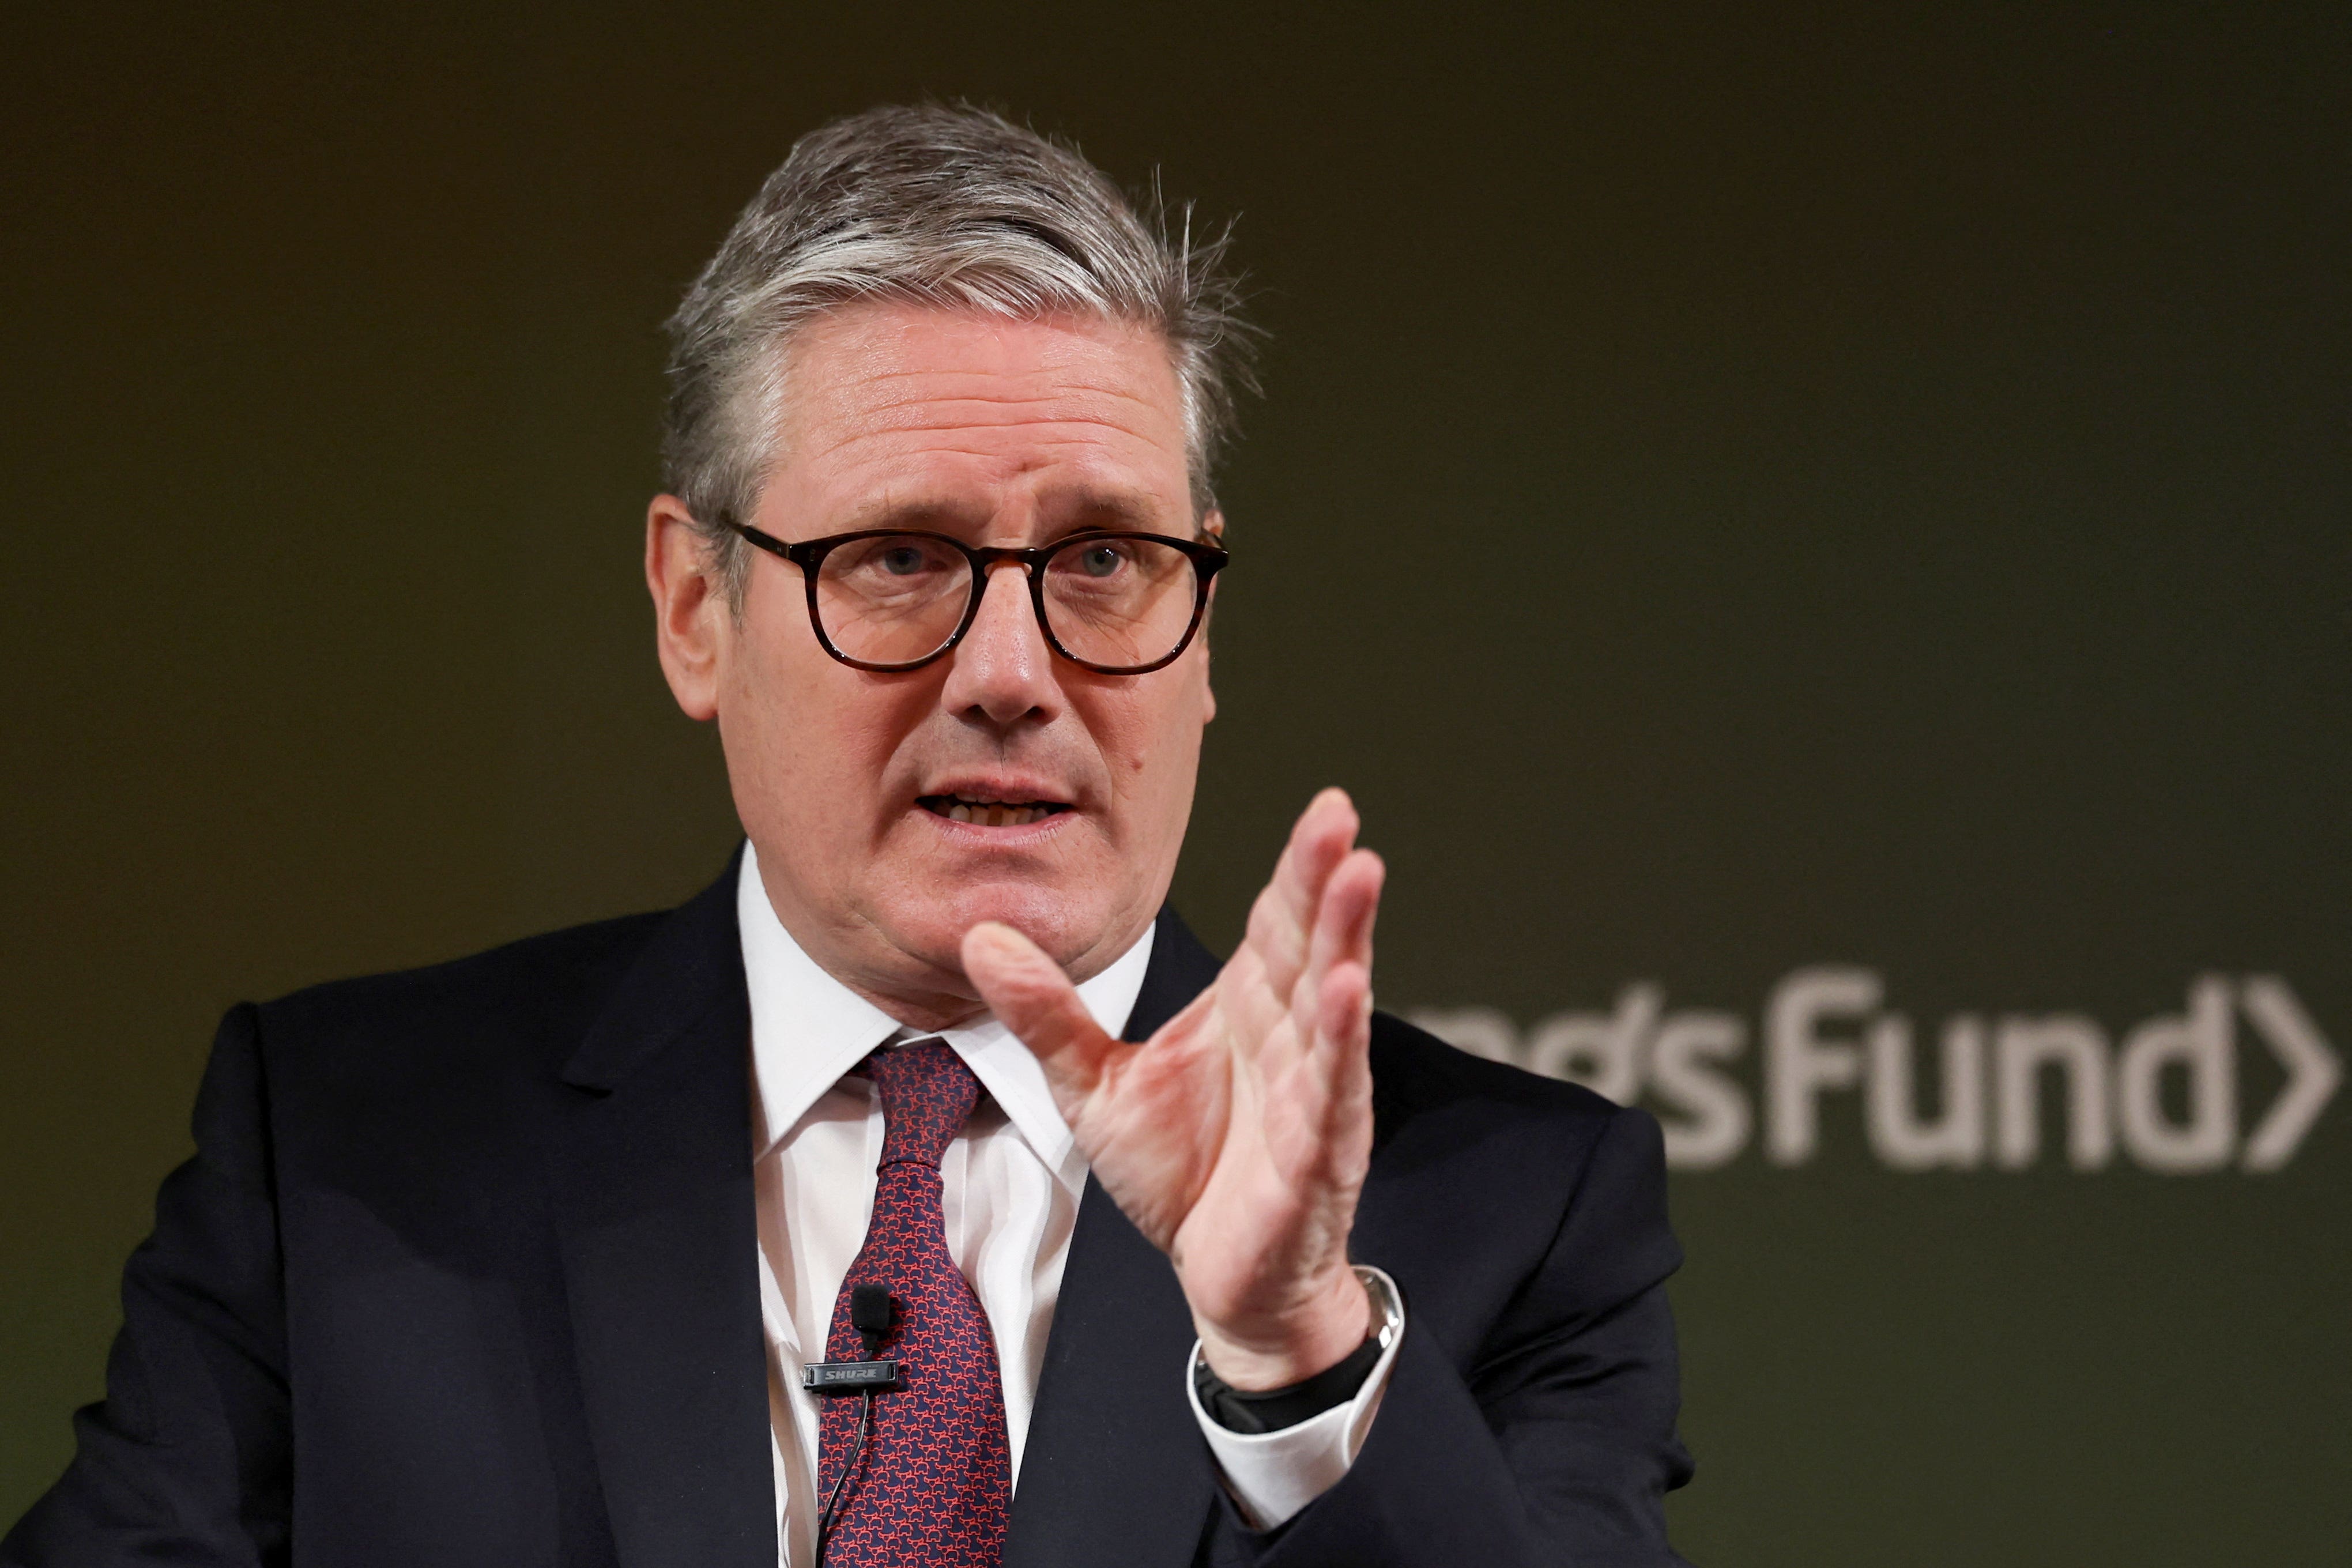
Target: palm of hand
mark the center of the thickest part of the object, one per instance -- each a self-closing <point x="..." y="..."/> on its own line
<point x="1237" y="1138"/>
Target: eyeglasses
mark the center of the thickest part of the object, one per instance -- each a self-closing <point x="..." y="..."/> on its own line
<point x="891" y="600"/>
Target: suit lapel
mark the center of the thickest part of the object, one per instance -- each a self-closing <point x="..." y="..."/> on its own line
<point x="652" y="1187"/>
<point x="1114" y="1469"/>
<point x="654" y="1209"/>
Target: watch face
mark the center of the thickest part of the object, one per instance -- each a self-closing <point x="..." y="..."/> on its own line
<point x="1384" y="1294"/>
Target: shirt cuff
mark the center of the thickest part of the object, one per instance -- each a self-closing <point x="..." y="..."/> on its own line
<point x="1272" y="1475"/>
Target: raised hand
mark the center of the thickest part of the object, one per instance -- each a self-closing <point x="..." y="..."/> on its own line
<point x="1237" y="1137"/>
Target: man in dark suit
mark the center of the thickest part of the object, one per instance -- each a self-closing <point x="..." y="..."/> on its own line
<point x="922" y="1192"/>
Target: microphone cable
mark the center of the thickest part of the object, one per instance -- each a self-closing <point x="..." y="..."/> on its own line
<point x="872" y="1313"/>
<point x="857" y="1453"/>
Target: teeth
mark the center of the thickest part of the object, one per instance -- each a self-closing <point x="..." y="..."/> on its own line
<point x="995" y="813"/>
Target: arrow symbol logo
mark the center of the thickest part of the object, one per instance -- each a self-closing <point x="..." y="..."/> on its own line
<point x="2313" y="1070"/>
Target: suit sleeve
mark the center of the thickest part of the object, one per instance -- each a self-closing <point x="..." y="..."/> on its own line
<point x="1558" y="1447"/>
<point x="186" y="1459"/>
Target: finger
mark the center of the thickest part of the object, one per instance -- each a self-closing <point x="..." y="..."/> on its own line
<point x="1284" y="915"/>
<point x="1351" y="903"/>
<point x="1343" y="1010"/>
<point x="1332" y="1089"/>
<point x="1343" y="926"/>
<point x="1031" y="996"/>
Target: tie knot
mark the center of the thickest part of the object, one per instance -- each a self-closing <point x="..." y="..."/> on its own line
<point x="926" y="1095"/>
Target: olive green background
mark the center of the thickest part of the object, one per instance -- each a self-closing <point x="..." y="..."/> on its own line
<point x="1737" y="490"/>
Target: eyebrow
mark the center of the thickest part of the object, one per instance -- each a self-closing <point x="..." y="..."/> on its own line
<point x="1063" y="514"/>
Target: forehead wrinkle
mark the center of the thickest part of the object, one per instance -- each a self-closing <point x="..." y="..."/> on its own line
<point x="874" y="346"/>
<point x="1085" y="370"/>
<point x="1090" y="486"/>
<point x="1079" y="440"/>
<point x="996" y="410"/>
<point x="1109" y="425"/>
<point x="945" y="421"/>
<point x="852" y="439"/>
<point x="1079" y="371"/>
<point x="1016" y="462"/>
<point x="1050" y="486"/>
<point x="1076" y="378"/>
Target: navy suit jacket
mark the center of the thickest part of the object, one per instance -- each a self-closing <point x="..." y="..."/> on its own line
<point x="462" y="1272"/>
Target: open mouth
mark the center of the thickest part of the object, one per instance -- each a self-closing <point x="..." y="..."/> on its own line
<point x="990" y="812"/>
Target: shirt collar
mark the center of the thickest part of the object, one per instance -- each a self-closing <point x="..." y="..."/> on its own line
<point x="808" y="1029"/>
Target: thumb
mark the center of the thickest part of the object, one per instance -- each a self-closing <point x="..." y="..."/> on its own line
<point x="1031" y="996"/>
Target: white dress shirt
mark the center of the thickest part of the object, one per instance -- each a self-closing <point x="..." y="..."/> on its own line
<point x="1011" y="1182"/>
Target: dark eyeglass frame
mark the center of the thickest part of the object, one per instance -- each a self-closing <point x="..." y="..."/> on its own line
<point x="809" y="555"/>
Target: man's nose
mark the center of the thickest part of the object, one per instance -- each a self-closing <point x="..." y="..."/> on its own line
<point x="1003" y="667"/>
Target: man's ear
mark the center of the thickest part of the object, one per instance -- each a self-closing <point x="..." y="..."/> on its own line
<point x="691" y="618"/>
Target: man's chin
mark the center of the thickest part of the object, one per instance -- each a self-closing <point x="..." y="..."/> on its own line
<point x="1071" y="926"/>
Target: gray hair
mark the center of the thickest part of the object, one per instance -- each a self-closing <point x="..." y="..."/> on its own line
<point x="954" y="207"/>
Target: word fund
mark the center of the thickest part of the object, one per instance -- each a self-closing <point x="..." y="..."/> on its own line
<point x="2002" y="1092"/>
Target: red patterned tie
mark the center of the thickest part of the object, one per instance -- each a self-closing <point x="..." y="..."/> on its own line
<point x="934" y="1483"/>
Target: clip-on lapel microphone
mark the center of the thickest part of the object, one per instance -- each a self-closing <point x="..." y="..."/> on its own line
<point x="871" y="1312"/>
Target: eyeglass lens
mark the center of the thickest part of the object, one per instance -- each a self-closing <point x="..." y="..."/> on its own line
<point x="897" y="598"/>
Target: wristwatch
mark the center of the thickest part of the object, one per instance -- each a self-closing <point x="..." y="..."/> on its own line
<point x="1272" y="1409"/>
